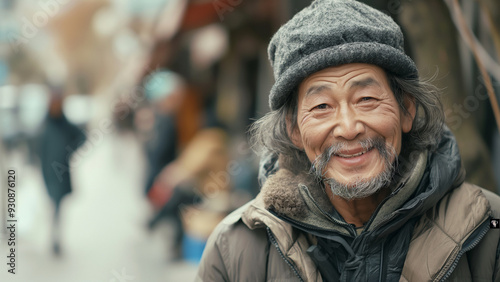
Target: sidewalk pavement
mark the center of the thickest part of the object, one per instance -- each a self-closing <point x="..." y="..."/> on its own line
<point x="104" y="235"/>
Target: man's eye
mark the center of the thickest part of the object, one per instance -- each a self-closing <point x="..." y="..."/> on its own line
<point x="321" y="107"/>
<point x="364" y="99"/>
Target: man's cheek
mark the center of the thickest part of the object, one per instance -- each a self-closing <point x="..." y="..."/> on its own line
<point x="307" y="140"/>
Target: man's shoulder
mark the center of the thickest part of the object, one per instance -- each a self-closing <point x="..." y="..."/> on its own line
<point x="469" y="193"/>
<point x="234" y="252"/>
<point x="471" y="205"/>
<point x="483" y="258"/>
<point x="231" y="231"/>
<point x="458" y="213"/>
<point x="459" y="222"/>
<point x="494" y="201"/>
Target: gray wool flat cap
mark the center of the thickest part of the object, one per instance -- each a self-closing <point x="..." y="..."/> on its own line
<point x="331" y="33"/>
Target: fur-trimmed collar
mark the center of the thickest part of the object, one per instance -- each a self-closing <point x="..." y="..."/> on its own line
<point x="298" y="196"/>
<point x="281" y="193"/>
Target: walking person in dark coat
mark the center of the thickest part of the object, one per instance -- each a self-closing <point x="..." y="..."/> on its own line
<point x="59" y="140"/>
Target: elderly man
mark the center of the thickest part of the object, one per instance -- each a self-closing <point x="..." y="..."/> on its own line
<point x="361" y="179"/>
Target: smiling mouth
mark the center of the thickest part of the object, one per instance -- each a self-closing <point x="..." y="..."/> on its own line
<point x="347" y="156"/>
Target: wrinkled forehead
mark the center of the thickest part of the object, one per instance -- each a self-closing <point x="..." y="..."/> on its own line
<point x="343" y="76"/>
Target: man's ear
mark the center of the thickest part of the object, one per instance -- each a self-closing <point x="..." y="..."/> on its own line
<point x="294" y="134"/>
<point x="408" y="117"/>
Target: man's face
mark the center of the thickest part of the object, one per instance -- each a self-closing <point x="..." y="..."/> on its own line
<point x="350" y="107"/>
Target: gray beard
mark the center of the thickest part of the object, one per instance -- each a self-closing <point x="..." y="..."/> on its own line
<point x="360" y="187"/>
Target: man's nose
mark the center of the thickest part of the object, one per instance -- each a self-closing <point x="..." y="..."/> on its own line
<point x="347" y="125"/>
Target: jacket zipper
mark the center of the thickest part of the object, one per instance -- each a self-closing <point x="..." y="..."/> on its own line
<point x="275" y="243"/>
<point x="485" y="226"/>
<point x="383" y="270"/>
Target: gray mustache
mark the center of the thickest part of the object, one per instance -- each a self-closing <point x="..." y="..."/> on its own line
<point x="319" y="164"/>
<point x="359" y="187"/>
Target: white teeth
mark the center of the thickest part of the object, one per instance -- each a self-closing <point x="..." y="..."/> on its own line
<point x="352" y="156"/>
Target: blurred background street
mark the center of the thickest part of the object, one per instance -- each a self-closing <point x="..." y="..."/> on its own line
<point x="101" y="242"/>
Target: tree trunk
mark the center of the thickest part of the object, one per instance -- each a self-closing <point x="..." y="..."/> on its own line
<point x="434" y="42"/>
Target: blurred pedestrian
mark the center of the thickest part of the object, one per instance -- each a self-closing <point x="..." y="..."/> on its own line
<point x="198" y="174"/>
<point x="59" y="139"/>
<point x="164" y="90"/>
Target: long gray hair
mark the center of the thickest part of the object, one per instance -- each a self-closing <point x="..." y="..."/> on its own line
<point x="270" y="133"/>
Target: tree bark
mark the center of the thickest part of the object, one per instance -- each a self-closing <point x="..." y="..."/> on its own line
<point x="434" y="42"/>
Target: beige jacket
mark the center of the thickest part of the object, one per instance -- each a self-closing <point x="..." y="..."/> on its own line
<point x="240" y="250"/>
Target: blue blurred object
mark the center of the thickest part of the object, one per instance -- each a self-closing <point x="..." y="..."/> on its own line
<point x="149" y="7"/>
<point x="192" y="248"/>
<point x="161" y="84"/>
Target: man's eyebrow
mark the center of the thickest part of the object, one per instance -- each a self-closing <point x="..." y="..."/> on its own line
<point x="369" y="81"/>
<point x="315" y="89"/>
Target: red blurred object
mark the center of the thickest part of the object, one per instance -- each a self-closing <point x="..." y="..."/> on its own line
<point x="159" y="194"/>
<point x="201" y="13"/>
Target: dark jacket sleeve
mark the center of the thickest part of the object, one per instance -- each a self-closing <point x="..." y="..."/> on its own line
<point x="235" y="253"/>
